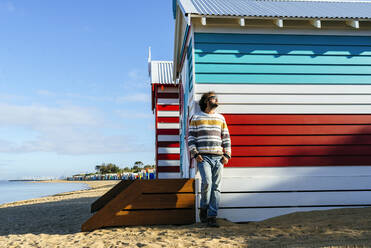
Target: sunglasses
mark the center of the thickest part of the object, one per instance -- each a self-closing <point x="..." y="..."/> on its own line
<point x="212" y="97"/>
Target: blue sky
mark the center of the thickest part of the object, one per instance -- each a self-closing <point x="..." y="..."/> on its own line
<point x="74" y="87"/>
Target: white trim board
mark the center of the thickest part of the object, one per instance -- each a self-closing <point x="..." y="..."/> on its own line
<point x="247" y="30"/>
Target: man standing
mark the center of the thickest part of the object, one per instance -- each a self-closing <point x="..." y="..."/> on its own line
<point x="209" y="143"/>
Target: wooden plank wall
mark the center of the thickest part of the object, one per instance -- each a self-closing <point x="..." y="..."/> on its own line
<point x="282" y="59"/>
<point x="145" y="202"/>
<point x="167" y="132"/>
<point x="299" y="112"/>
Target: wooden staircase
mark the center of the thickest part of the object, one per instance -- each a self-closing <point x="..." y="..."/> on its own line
<point x="144" y="202"/>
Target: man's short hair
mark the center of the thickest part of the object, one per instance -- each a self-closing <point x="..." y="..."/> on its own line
<point x="204" y="98"/>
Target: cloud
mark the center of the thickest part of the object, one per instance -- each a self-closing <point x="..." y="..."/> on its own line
<point x="9" y="97"/>
<point x="90" y="98"/>
<point x="63" y="130"/>
<point x="5" y="162"/>
<point x="45" y="93"/>
<point x="136" y="79"/>
<point x="74" y="142"/>
<point x="41" y="117"/>
<point x="137" y="97"/>
<point x="133" y="115"/>
<point x="8" y="6"/>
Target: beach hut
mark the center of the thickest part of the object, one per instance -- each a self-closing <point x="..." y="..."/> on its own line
<point x="294" y="84"/>
<point x="165" y="106"/>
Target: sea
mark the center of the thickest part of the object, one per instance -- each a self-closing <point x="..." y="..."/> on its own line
<point x="11" y="191"/>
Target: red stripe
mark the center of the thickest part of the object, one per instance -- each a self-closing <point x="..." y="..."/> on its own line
<point x="298" y="130"/>
<point x="167" y="144"/>
<point x="168" y="169"/>
<point x="168" y="119"/>
<point x="297" y="119"/>
<point x="168" y="131"/>
<point x="301" y="140"/>
<point x="168" y="156"/>
<point x="300" y="150"/>
<point x="168" y="95"/>
<point x="168" y="107"/>
<point x="299" y="161"/>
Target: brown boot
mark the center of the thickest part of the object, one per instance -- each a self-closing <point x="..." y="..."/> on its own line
<point x="203" y="215"/>
<point x="211" y="222"/>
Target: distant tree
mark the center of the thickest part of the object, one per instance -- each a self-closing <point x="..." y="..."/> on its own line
<point x="138" y="163"/>
<point x="107" y="168"/>
<point x="97" y="167"/>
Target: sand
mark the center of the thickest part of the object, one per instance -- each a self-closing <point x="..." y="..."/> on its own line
<point x="55" y="221"/>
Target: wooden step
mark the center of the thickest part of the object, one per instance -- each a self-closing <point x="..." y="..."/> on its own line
<point x="144" y="202"/>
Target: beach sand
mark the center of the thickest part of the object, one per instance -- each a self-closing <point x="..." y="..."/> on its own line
<point x="55" y="221"/>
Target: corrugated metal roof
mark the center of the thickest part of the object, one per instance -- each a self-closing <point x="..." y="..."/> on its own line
<point x="161" y="72"/>
<point x="356" y="9"/>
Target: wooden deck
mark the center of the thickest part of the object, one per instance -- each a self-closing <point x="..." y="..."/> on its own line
<point x="142" y="202"/>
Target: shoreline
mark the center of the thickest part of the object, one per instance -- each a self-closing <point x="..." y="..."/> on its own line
<point x="56" y="221"/>
<point x="55" y="197"/>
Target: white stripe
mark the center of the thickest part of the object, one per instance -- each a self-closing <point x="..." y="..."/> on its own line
<point x="293" y="99"/>
<point x="164" y="175"/>
<point x="168" y="150"/>
<point x="294" y="109"/>
<point x="287" y="183"/>
<point x="282" y="88"/>
<point x="168" y="163"/>
<point x="168" y="113"/>
<point x="209" y="139"/>
<point x="168" y="137"/>
<point x="168" y="125"/>
<point x="294" y="199"/>
<point x="169" y="101"/>
<point x="246" y="215"/>
<point x="299" y="171"/>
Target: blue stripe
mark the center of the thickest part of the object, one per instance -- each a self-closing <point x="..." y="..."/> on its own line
<point x="282" y="59"/>
<point x="283" y="39"/>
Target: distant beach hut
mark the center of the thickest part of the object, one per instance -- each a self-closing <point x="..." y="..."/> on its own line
<point x="294" y="84"/>
<point x="165" y="106"/>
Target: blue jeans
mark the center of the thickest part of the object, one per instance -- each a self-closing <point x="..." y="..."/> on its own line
<point x="211" y="173"/>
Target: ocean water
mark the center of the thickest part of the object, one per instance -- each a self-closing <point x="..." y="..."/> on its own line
<point x="18" y="191"/>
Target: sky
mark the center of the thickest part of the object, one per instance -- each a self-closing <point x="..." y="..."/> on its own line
<point x="74" y="85"/>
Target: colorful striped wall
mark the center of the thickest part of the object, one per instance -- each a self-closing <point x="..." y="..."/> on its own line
<point x="167" y="132"/>
<point x="299" y="113"/>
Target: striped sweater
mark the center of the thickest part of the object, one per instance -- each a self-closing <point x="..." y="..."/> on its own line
<point x="208" y="133"/>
